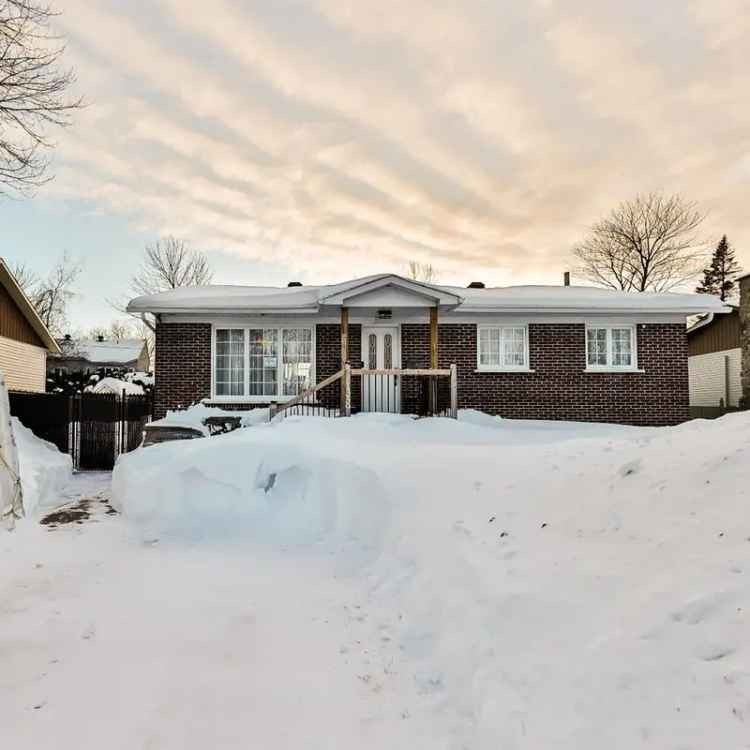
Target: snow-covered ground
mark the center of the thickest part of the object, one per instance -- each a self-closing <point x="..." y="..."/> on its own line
<point x="383" y="582"/>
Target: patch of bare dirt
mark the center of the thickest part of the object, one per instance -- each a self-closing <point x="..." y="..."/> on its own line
<point x="84" y="510"/>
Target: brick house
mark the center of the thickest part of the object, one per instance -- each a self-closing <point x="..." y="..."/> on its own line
<point x="533" y="352"/>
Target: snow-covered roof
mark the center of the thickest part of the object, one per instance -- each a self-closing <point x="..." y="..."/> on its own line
<point x="512" y="299"/>
<point x="117" y="386"/>
<point x="707" y="319"/>
<point x="100" y="352"/>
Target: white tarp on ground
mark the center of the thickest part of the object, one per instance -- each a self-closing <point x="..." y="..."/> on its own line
<point x="33" y="472"/>
<point x="11" y="491"/>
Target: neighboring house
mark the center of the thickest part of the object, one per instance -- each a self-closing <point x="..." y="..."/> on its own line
<point x="89" y="356"/>
<point x="25" y="340"/>
<point x="534" y="352"/>
<point x="715" y="360"/>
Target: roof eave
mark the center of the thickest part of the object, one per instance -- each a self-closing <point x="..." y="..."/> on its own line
<point x="223" y="310"/>
<point x="27" y="309"/>
<point x="586" y="310"/>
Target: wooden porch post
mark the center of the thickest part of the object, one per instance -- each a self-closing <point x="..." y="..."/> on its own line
<point x="432" y="380"/>
<point x="345" y="383"/>
<point x="433" y="338"/>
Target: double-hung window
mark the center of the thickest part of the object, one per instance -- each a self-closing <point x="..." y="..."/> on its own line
<point x="502" y="348"/>
<point x="610" y="348"/>
<point x="262" y="364"/>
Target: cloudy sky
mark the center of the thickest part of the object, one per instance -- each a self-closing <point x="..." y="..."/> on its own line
<point x="322" y="139"/>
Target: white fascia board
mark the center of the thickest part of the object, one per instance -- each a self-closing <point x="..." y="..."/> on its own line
<point x="208" y="312"/>
<point x="515" y="310"/>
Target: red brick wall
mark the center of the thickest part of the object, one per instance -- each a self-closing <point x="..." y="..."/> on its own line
<point x="183" y="365"/>
<point x="559" y="388"/>
<point x="328" y="360"/>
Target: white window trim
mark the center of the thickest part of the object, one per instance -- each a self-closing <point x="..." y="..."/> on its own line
<point x="632" y="367"/>
<point x="504" y="368"/>
<point x="262" y="399"/>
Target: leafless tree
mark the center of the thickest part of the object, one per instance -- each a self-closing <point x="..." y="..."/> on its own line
<point x="26" y="277"/>
<point x="117" y="330"/>
<point x="421" y="271"/>
<point x="650" y="243"/>
<point x="169" y="263"/>
<point x="52" y="294"/>
<point x="33" y="93"/>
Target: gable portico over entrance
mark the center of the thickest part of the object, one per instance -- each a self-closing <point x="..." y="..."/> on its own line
<point x="389" y="297"/>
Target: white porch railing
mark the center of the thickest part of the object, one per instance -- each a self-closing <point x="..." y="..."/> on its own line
<point x="380" y="390"/>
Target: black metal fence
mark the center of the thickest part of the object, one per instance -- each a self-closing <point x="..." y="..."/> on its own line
<point x="94" y="428"/>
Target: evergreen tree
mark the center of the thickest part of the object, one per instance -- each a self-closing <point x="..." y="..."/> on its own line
<point x="719" y="277"/>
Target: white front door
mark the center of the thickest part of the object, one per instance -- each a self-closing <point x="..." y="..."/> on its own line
<point x="381" y="350"/>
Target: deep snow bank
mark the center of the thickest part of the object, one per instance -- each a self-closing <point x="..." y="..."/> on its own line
<point x="229" y="486"/>
<point x="43" y="469"/>
<point x="523" y="584"/>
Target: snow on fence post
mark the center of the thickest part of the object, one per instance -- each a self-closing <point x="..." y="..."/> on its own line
<point x="454" y="391"/>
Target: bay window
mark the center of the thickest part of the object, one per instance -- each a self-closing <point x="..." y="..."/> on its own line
<point x="502" y="348"/>
<point x="262" y="364"/>
<point x="610" y="348"/>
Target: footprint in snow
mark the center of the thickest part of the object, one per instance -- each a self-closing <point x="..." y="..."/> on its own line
<point x="714" y="652"/>
<point x="630" y="468"/>
<point x="701" y="608"/>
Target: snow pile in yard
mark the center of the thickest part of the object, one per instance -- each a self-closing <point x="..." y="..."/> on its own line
<point x="517" y="584"/>
<point x="44" y="470"/>
<point x="195" y="415"/>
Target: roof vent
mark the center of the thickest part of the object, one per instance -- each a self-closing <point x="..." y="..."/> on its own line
<point x="385" y="314"/>
<point x="100" y="338"/>
<point x="294" y="283"/>
<point x="476" y="285"/>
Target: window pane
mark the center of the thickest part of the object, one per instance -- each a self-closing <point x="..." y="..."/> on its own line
<point x="296" y="360"/>
<point x="264" y="353"/>
<point x="388" y="351"/>
<point x="514" y="347"/>
<point x="622" y="347"/>
<point x="229" y="372"/>
<point x="489" y="347"/>
<point x="596" y="347"/>
<point x="372" y="352"/>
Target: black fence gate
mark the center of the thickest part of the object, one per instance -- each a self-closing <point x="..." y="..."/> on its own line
<point x="94" y="428"/>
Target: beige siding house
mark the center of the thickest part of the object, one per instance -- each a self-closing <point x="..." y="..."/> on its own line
<point x="715" y="361"/>
<point x="24" y="339"/>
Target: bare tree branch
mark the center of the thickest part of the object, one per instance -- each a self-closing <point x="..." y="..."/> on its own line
<point x="169" y="263"/>
<point x="421" y="271"/>
<point x="33" y="93"/>
<point x="650" y="243"/>
<point x="52" y="294"/>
